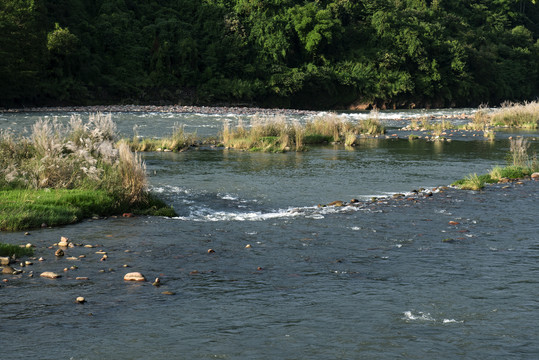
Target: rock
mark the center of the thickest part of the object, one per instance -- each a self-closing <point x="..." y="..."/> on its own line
<point x="5" y="260"/>
<point x="211" y="251"/>
<point x="134" y="276"/>
<point x="453" y="222"/>
<point x="74" y="258"/>
<point x="354" y="201"/>
<point x="248" y="246"/>
<point x="50" y="275"/>
<point x="168" y="293"/>
<point x="535" y="176"/>
<point x="28" y="246"/>
<point x="8" y="270"/>
<point x="156" y="282"/>
<point x="64" y="242"/>
<point x="59" y="253"/>
<point x="82" y="278"/>
<point x="41" y="259"/>
<point x="336" y="203"/>
<point x="128" y="215"/>
<point x="80" y="300"/>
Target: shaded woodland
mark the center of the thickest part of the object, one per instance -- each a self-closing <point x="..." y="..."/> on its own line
<point x="278" y="53"/>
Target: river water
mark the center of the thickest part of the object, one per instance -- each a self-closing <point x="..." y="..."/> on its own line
<point x="287" y="279"/>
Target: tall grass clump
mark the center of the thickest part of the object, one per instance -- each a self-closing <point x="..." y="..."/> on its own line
<point x="179" y="140"/>
<point x="525" y="115"/>
<point x="270" y="134"/>
<point x="73" y="157"/>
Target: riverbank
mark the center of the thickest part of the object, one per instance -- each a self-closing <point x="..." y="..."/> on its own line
<point x="210" y="110"/>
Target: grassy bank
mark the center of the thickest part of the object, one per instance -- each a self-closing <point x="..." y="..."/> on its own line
<point x="63" y="174"/>
<point x="520" y="165"/>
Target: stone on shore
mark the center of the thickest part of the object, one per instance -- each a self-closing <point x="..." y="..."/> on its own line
<point x="50" y="275"/>
<point x="535" y="176"/>
<point x="134" y="276"/>
<point x="5" y="260"/>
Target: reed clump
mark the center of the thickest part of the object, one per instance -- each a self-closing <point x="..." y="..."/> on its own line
<point x="178" y="141"/>
<point x="275" y="134"/>
<point x="77" y="156"/>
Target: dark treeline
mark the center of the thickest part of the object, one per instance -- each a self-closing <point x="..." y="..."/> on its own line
<point x="284" y="53"/>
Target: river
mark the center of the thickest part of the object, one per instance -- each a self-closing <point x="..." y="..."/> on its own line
<point x="441" y="274"/>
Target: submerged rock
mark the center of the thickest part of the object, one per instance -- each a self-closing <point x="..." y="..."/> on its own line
<point x="8" y="270"/>
<point x="134" y="276"/>
<point x="336" y="203"/>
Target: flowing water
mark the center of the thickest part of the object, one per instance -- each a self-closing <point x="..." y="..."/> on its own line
<point x="287" y="279"/>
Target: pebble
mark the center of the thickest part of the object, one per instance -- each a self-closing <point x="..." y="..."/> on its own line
<point x="49" y="275"/>
<point x="134" y="276"/>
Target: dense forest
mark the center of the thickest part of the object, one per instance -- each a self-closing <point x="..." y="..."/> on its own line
<point x="281" y="53"/>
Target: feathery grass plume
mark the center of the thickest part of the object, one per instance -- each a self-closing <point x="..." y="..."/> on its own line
<point x="46" y="138"/>
<point x="299" y="135"/>
<point x="519" y="151"/>
<point x="133" y="173"/>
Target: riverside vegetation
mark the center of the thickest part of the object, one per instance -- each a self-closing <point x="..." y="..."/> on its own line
<point x="521" y="164"/>
<point x="62" y="174"/>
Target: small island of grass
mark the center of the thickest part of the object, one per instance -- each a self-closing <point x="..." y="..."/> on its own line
<point x="521" y="165"/>
<point x="62" y="174"/>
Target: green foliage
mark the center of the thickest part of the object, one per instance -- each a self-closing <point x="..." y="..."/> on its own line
<point x="62" y="174"/>
<point x="312" y="54"/>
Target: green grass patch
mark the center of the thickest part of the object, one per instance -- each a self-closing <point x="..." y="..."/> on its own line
<point x="28" y="208"/>
<point x="18" y="251"/>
